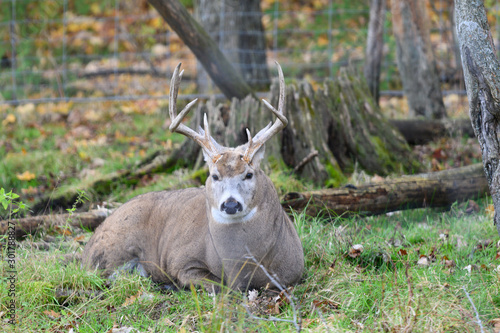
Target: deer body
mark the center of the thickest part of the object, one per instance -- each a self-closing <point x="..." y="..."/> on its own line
<point x="225" y="232"/>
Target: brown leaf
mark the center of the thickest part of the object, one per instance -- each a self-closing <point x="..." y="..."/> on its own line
<point x="52" y="314"/>
<point x="484" y="244"/>
<point x="332" y="265"/>
<point x="496" y="324"/>
<point x="402" y="252"/>
<point x="355" y="251"/>
<point x="79" y="238"/>
<point x="62" y="231"/>
<point x="490" y="211"/>
<point x="325" y="305"/>
<point x="131" y="300"/>
<point x="449" y="263"/>
<point x="472" y="207"/>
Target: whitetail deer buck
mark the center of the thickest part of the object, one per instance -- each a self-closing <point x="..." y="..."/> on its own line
<point x="217" y="233"/>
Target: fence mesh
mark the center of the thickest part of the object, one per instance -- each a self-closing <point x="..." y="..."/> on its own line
<point x="82" y="51"/>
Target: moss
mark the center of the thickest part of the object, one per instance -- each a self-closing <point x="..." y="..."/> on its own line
<point x="387" y="159"/>
<point x="335" y="175"/>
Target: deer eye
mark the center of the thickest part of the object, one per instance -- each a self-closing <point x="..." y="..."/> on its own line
<point x="249" y="175"/>
<point x="215" y="177"/>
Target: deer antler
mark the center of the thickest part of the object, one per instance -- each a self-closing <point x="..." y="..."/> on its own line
<point x="203" y="138"/>
<point x="270" y="130"/>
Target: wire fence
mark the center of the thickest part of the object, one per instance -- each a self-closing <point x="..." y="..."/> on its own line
<point x="114" y="50"/>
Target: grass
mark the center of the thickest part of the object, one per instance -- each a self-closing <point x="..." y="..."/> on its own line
<point x="383" y="288"/>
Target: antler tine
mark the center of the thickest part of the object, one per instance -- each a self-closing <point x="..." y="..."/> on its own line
<point x="203" y="139"/>
<point x="270" y="130"/>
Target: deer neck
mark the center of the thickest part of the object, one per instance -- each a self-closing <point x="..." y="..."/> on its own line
<point x="255" y="233"/>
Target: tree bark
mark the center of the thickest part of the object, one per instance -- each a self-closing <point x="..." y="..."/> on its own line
<point x="236" y="26"/>
<point x="421" y="131"/>
<point x="205" y="49"/>
<point x="30" y="225"/>
<point x="482" y="80"/>
<point x="416" y="60"/>
<point x="437" y="189"/>
<point x="375" y="47"/>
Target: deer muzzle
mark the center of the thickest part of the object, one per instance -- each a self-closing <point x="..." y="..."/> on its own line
<point x="231" y="206"/>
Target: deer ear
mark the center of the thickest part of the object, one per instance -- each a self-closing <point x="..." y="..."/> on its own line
<point x="259" y="155"/>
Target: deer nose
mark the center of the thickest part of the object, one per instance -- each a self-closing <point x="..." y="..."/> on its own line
<point x="231" y="206"/>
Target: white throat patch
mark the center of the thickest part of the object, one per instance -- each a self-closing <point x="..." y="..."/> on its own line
<point x="224" y="218"/>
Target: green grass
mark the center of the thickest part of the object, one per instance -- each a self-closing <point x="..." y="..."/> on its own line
<point x="382" y="289"/>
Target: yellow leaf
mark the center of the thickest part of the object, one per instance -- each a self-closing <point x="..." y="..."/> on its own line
<point x="490" y="211"/>
<point x="322" y="40"/>
<point x="10" y="119"/>
<point x="95" y="8"/>
<point x="132" y="299"/>
<point x="26" y="176"/>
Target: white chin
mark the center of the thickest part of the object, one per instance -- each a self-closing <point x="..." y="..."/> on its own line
<point x="239" y="217"/>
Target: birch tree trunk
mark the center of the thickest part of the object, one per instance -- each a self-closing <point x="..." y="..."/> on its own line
<point x="482" y="80"/>
<point x="416" y="60"/>
<point x="375" y="46"/>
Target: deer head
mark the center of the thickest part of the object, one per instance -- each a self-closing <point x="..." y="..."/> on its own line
<point x="235" y="173"/>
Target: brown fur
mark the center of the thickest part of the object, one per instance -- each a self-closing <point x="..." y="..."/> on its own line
<point x="174" y="237"/>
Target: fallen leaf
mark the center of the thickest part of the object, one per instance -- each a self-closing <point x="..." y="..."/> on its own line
<point x="325" y="305"/>
<point x="252" y="295"/>
<point x="490" y="211"/>
<point x="52" y="314"/>
<point x="131" y="300"/>
<point x="10" y="119"/>
<point x="62" y="231"/>
<point x="423" y="261"/>
<point x="496" y="324"/>
<point x="460" y="242"/>
<point x="402" y="252"/>
<point x="332" y="265"/>
<point x="449" y="263"/>
<point x="26" y="176"/>
<point x="472" y="207"/>
<point x="484" y="244"/>
<point x="79" y="238"/>
<point x="356" y="251"/>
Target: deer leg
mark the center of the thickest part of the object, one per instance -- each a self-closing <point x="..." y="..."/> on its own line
<point x="201" y="277"/>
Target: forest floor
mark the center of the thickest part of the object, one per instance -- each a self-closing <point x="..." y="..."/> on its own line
<point x="420" y="270"/>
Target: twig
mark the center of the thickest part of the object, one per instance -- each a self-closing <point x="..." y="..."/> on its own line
<point x="306" y="160"/>
<point x="475" y="310"/>
<point x="274" y="280"/>
<point x="322" y="319"/>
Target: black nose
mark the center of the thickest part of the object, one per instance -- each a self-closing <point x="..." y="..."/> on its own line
<point x="231" y="206"/>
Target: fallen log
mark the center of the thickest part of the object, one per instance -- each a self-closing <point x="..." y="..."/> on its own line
<point x="436" y="189"/>
<point x="421" y="131"/>
<point x="29" y="225"/>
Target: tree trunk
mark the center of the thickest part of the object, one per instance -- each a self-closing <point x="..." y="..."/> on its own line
<point x="482" y="80"/>
<point x="236" y="26"/>
<point x="421" y="131"/>
<point x="375" y="47"/>
<point x="437" y="189"/>
<point x="205" y="49"/>
<point x="416" y="60"/>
